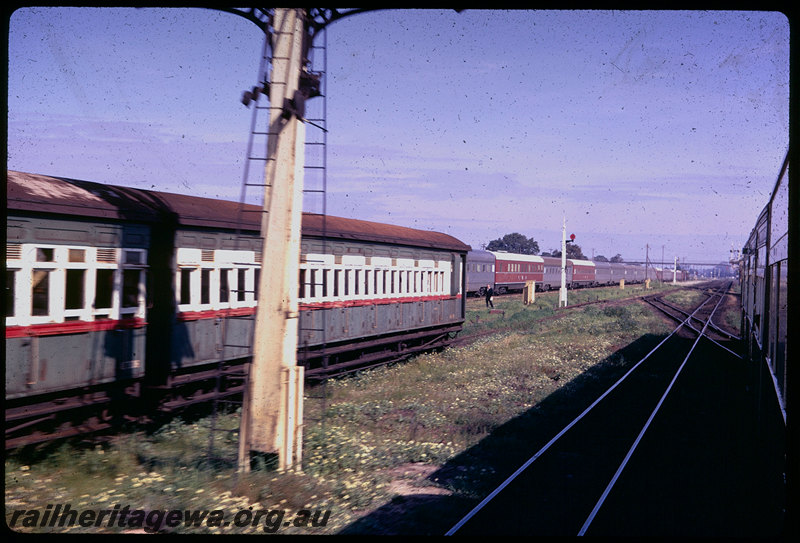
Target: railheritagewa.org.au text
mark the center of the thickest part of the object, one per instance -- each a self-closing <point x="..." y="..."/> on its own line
<point x="55" y="516"/>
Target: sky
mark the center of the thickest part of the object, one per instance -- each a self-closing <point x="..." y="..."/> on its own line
<point x="664" y="129"/>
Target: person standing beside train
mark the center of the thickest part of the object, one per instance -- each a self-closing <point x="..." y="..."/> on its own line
<point x="489" y="296"/>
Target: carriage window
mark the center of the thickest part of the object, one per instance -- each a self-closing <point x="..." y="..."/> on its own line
<point x="133" y="257"/>
<point x="224" y="289"/>
<point x="77" y="255"/>
<point x="312" y="287"/>
<point x="130" y="288"/>
<point x="205" y="286"/>
<point x="40" y="304"/>
<point x="104" y="289"/>
<point x="240" y="287"/>
<point x="186" y="286"/>
<point x="10" y="275"/>
<point x="301" y="292"/>
<point x="336" y="282"/>
<point x="75" y="287"/>
<point x="256" y="277"/>
<point x="44" y="255"/>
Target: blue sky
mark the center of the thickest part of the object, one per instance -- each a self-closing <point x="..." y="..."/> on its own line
<point x="661" y="128"/>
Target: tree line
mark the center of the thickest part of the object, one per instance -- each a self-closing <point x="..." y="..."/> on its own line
<point x="521" y="244"/>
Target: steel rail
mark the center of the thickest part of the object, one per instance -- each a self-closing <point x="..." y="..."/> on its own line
<point x="712" y="340"/>
<point x="624" y="463"/>
<point x="714" y="326"/>
<point x="558" y="436"/>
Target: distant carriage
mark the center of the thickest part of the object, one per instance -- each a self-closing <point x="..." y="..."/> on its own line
<point x="513" y="271"/>
<point x="508" y="272"/>
<point x="579" y="273"/>
<point x="480" y="272"/>
<point x="583" y="273"/>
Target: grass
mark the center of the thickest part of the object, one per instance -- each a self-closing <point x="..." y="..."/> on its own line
<point x="685" y="299"/>
<point x="515" y="314"/>
<point x="373" y="431"/>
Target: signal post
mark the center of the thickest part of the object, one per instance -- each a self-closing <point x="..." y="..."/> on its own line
<point x="562" y="294"/>
<point x="272" y="416"/>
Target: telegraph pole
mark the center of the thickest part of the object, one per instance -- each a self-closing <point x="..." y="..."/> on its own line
<point x="272" y="417"/>
<point x="562" y="296"/>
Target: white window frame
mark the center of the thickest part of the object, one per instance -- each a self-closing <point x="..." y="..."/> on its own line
<point x="24" y="267"/>
<point x="223" y="261"/>
<point x="137" y="311"/>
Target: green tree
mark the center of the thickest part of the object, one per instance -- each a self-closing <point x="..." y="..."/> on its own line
<point x="514" y="243"/>
<point x="617" y="258"/>
<point x="600" y="258"/>
<point x="573" y="251"/>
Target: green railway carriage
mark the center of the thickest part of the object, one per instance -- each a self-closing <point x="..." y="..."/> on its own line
<point x="115" y="293"/>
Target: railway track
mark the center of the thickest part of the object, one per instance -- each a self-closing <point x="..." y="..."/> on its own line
<point x="714" y="332"/>
<point x="571" y="486"/>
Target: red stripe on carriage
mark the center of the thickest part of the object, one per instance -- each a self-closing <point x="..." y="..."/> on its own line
<point x="73" y="327"/>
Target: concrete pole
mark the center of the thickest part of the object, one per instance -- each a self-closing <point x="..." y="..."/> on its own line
<point x="675" y="270"/>
<point x="272" y="415"/>
<point x="562" y="298"/>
